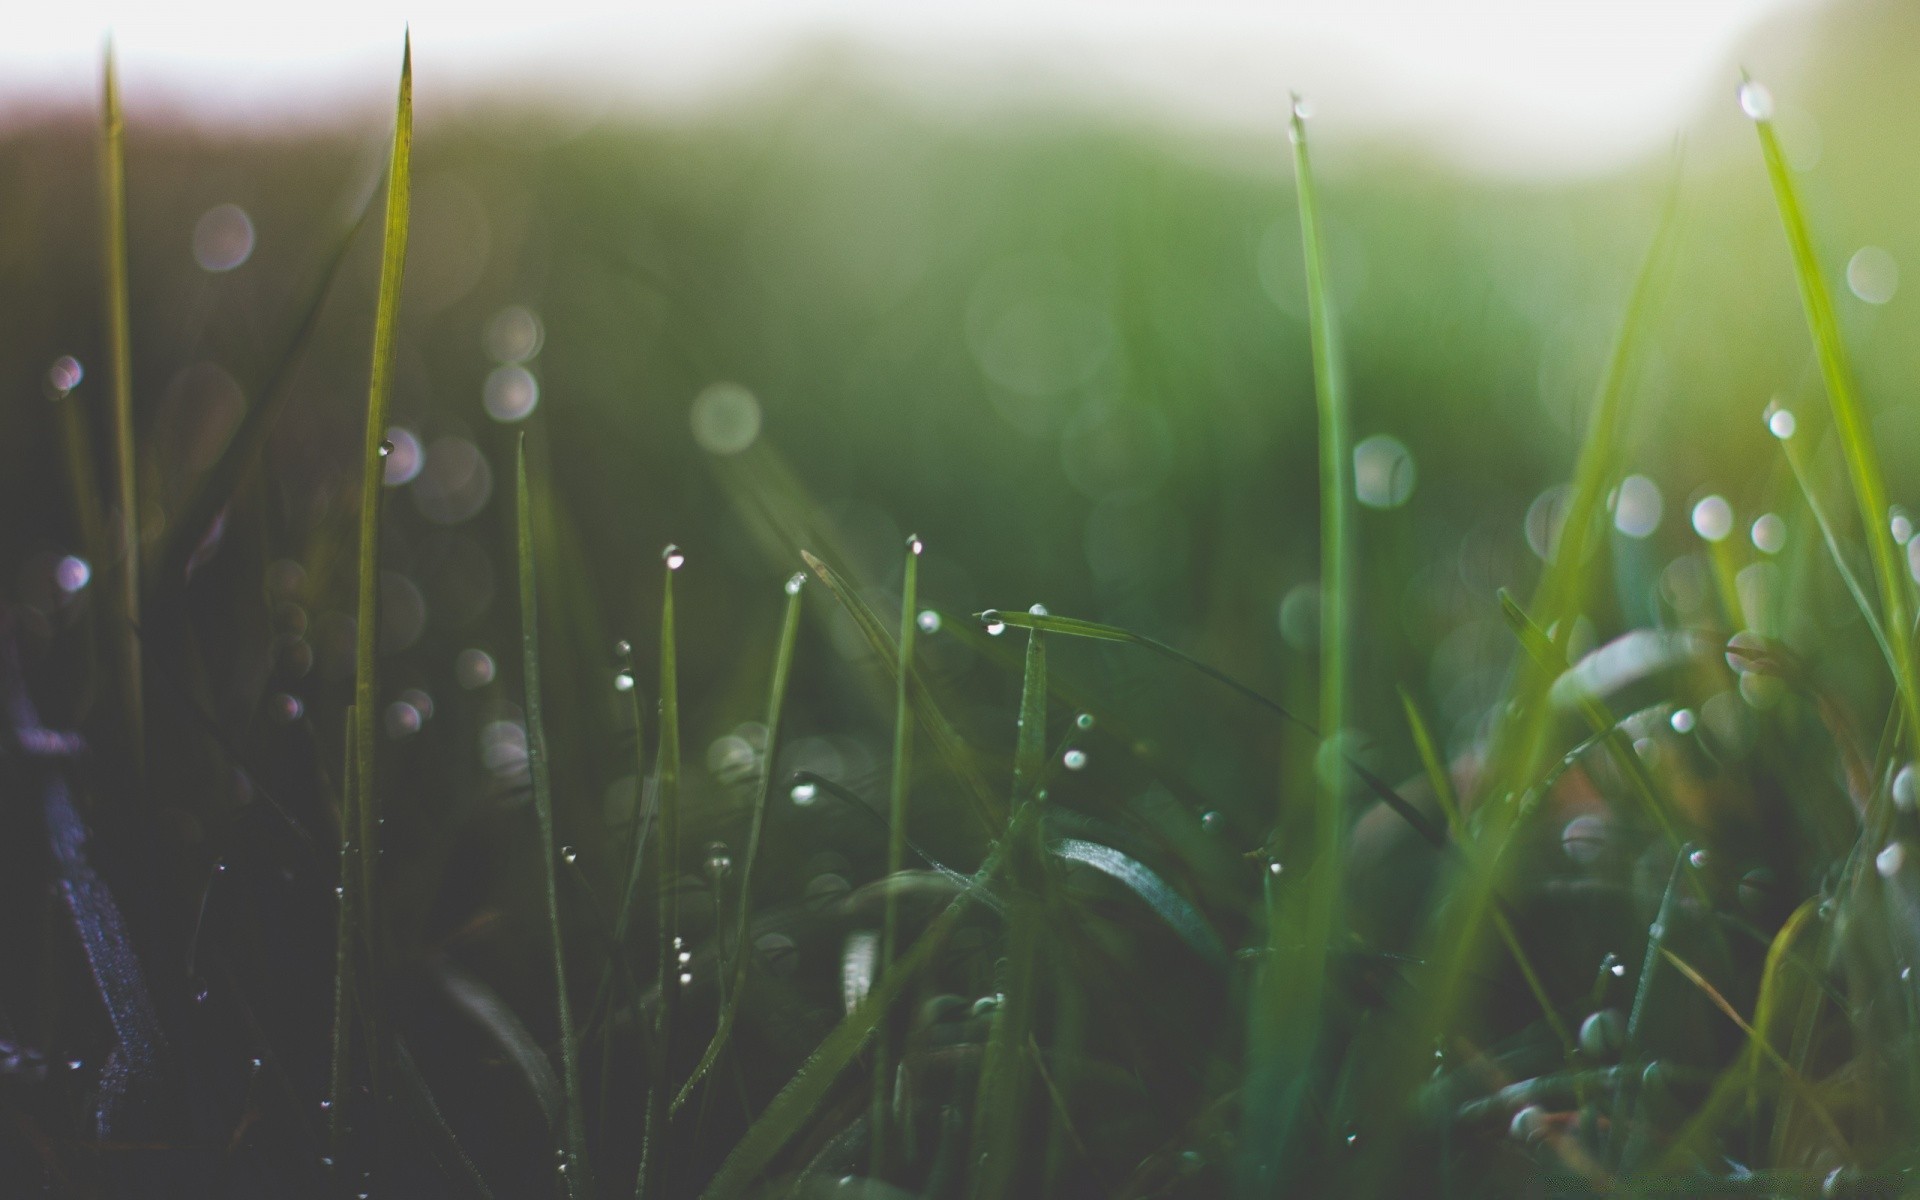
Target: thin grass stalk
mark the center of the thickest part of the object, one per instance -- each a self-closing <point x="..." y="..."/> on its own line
<point x="1849" y="416"/>
<point x="573" y="1167"/>
<point x="776" y="698"/>
<point x="366" y="684"/>
<point x="346" y="929"/>
<point x="883" y="1056"/>
<point x="653" y="1160"/>
<point x="120" y="365"/>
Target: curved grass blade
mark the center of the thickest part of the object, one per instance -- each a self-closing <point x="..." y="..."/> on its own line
<point x="1850" y="421"/>
<point x="575" y="1171"/>
<point x="776" y="697"/>
<point x="800" y="1100"/>
<point x="366" y="690"/>
<point x="1074" y="627"/>
<point x="510" y="1034"/>
<point x="946" y="740"/>
<point x="113" y="172"/>
<point x="666" y="866"/>
<point x="1173" y="908"/>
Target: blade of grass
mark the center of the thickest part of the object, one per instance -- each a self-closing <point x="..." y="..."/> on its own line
<point x="882" y="1107"/>
<point x="366" y="685"/>
<point x="666" y="866"/>
<point x="120" y="361"/>
<point x="346" y="929"/>
<point x="1850" y="421"/>
<point x="776" y="697"/>
<point x="575" y="1171"/>
<point x="1000" y="1102"/>
<point x="1173" y="908"/>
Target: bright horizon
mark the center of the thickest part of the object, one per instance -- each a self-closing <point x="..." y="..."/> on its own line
<point x="1528" y="87"/>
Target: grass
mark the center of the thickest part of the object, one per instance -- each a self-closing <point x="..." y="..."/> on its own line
<point x="1440" y="893"/>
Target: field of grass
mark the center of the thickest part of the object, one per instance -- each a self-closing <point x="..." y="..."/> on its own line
<point x="833" y="649"/>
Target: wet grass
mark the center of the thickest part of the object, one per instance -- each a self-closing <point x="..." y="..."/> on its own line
<point x="1025" y="903"/>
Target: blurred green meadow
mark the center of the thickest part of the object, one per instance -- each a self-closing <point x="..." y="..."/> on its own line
<point x="1072" y="355"/>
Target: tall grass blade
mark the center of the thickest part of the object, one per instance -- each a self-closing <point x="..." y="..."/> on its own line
<point x="366" y="684"/>
<point x="120" y="357"/>
<point x="573" y="1165"/>
<point x="653" y="1164"/>
<point x="896" y="842"/>
<point x="1834" y="551"/>
<point x="1850" y="421"/>
<point x="1005" y="1074"/>
<point x="776" y="698"/>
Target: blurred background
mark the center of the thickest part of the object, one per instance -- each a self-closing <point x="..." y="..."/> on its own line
<point x="1023" y="279"/>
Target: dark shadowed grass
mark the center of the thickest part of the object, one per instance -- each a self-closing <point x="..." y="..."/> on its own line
<point x="126" y="492"/>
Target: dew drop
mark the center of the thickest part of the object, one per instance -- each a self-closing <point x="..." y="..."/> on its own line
<point x="719" y="862"/>
<point x="1769" y="533"/>
<point x="1037" y="610"/>
<point x="685" y="957"/>
<point x="569" y="854"/>
<point x="623" y="681"/>
<point x="1698" y="860"/>
<point x="623" y="649"/>
<point x="1713" y="518"/>
<point x="1756" y="101"/>
<point x="72" y="573"/>
<point x="1781" y="423"/>
<point x="915" y="546"/>
<point x="673" y="557"/>
<point x="1906" y="788"/>
<point x="795" y="582"/>
<point x="324" y="1106"/>
<point x="65" y="374"/>
<point x="386" y="448"/>
<point x="686" y="978"/>
<point x="1276" y="868"/>
<point x="1900" y="524"/>
<point x="1084" y="721"/>
<point x="928" y="621"/>
<point x="996" y="628"/>
<point x="804" y="793"/>
<point x="1619" y="970"/>
<point x="1074" y="760"/>
<point x="1889" y="861"/>
<point x="1584" y="839"/>
<point x="1682" y="720"/>
<point x="1213" y="822"/>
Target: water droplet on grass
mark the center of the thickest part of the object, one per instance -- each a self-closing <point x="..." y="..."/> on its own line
<point x="804" y="794"/>
<point x="65" y="374"/>
<point x="996" y="628"/>
<point x="1213" y="822"/>
<point x="1698" y="860"/>
<point x="1637" y="506"/>
<point x="1769" y="533"/>
<point x="569" y="854"/>
<point x="1074" y="760"/>
<point x="1873" y="275"/>
<point x="1906" y="788"/>
<point x="673" y="557"/>
<point x="1584" y="839"/>
<point x="1713" y="518"/>
<point x="1084" y="721"/>
<point x="1682" y="720"/>
<point x="1037" y="610"/>
<point x="1890" y="859"/>
<point x="1781" y="423"/>
<point x="623" y="681"/>
<point x="795" y="582"/>
<point x="1756" y="101"/>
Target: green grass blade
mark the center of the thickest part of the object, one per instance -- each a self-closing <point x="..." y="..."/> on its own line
<point x="954" y="754"/>
<point x="666" y="871"/>
<point x="776" y="698"/>
<point x="346" y="929"/>
<point x="800" y="1100"/>
<point x="1173" y="908"/>
<point x="366" y="684"/>
<point x="120" y="355"/>
<point x="1030" y="744"/>
<point x="1838" y="555"/>
<point x="1850" y="420"/>
<point x="573" y="1166"/>
<point x="882" y="1107"/>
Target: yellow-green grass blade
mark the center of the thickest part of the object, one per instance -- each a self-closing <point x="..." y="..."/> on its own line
<point x="120" y="360"/>
<point x="882" y="1105"/>
<point x="653" y="1162"/>
<point x="776" y="698"/>
<point x="1850" y="421"/>
<point x="800" y="1100"/>
<point x="366" y="684"/>
<point x="954" y="753"/>
<point x="572" y="1160"/>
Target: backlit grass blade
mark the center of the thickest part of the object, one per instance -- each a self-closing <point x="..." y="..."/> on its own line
<point x="776" y="698"/>
<point x="1074" y="627"/>
<point x="882" y="1107"/>
<point x="573" y="1165"/>
<point x="113" y="211"/>
<point x="366" y="684"/>
<point x="666" y="874"/>
<point x="800" y="1100"/>
<point x="954" y="753"/>
<point x="1850" y="417"/>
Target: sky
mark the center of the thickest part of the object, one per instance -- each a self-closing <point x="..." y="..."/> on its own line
<point x="1540" y="85"/>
